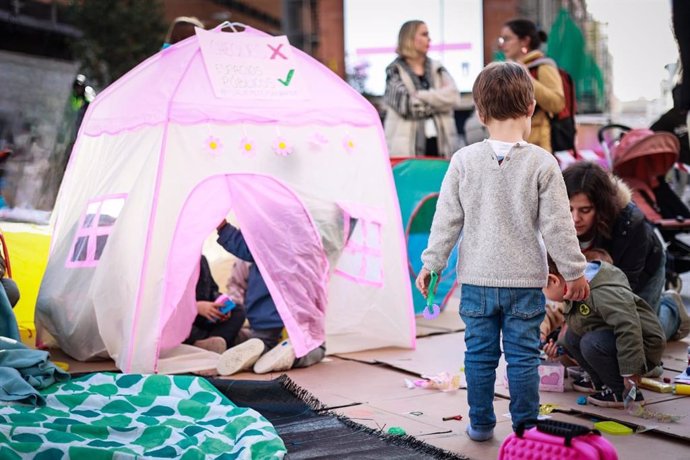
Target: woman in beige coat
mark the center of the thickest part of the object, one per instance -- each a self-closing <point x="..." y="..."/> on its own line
<point x="420" y="98"/>
<point x="520" y="41"/>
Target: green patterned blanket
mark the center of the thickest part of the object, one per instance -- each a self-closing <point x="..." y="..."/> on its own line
<point x="126" y="416"/>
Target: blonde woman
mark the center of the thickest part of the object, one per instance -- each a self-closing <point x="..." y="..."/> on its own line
<point x="420" y="99"/>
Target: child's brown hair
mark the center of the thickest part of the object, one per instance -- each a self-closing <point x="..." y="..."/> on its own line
<point x="503" y="90"/>
<point x="590" y="255"/>
<point x="598" y="254"/>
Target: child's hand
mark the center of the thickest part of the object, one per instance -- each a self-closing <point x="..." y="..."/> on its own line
<point x="577" y="289"/>
<point x="551" y="349"/>
<point x="628" y="381"/>
<point x="209" y="310"/>
<point x="423" y="280"/>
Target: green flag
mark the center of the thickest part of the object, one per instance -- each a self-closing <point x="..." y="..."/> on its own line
<point x="566" y="46"/>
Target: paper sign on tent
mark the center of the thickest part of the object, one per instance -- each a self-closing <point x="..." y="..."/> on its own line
<point x="250" y="67"/>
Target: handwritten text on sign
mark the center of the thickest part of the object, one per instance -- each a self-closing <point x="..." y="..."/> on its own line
<point x="246" y="67"/>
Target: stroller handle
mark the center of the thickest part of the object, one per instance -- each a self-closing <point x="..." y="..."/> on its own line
<point x="603" y="129"/>
<point x="605" y="145"/>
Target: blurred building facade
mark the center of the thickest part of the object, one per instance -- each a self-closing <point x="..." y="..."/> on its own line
<point x="314" y="26"/>
<point x="544" y="13"/>
<point x="34" y="34"/>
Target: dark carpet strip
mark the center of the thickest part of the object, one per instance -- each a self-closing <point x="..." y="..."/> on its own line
<point x="310" y="431"/>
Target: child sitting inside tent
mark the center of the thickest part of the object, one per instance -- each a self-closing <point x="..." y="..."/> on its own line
<point x="213" y="330"/>
<point x="265" y="325"/>
<point x="613" y="334"/>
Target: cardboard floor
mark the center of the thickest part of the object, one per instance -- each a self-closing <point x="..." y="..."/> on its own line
<point x="373" y="392"/>
<point x="375" y="396"/>
<point x="369" y="388"/>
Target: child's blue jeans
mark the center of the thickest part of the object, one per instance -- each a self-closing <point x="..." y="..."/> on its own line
<point x="517" y="312"/>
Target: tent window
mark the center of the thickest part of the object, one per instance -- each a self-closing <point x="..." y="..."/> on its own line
<point x="95" y="226"/>
<point x="79" y="253"/>
<point x="362" y="258"/>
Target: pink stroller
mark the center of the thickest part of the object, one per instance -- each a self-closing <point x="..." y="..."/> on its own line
<point x="642" y="158"/>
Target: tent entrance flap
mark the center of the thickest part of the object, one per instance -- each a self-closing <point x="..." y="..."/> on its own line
<point x="283" y="240"/>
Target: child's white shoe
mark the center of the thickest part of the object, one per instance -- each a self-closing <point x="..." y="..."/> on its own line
<point x="240" y="357"/>
<point x="280" y="358"/>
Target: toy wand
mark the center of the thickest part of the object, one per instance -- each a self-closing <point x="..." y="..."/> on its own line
<point x="432" y="310"/>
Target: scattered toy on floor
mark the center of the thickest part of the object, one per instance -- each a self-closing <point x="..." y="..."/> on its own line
<point x="396" y="431"/>
<point x="612" y="427"/>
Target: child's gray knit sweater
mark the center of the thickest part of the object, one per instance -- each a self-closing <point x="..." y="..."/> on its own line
<point x="506" y="214"/>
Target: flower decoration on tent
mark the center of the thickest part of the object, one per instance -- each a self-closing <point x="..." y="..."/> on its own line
<point x="213" y="145"/>
<point x="247" y="146"/>
<point x="282" y="147"/>
<point x="317" y="141"/>
<point x="349" y="143"/>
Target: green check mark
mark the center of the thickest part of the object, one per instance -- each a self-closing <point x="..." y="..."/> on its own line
<point x="288" y="79"/>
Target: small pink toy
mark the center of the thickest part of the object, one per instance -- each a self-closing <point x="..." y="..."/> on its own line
<point x="551" y="439"/>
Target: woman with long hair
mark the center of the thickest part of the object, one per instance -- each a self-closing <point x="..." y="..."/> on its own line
<point x="606" y="218"/>
<point x="420" y="98"/>
<point x="520" y="41"/>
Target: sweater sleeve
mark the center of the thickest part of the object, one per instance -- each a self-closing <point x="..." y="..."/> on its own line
<point x="556" y="225"/>
<point x="237" y="283"/>
<point x="231" y="239"/>
<point x="548" y="89"/>
<point x="448" y="220"/>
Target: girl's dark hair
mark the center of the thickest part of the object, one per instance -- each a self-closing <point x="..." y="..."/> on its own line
<point x="526" y="28"/>
<point x="600" y="188"/>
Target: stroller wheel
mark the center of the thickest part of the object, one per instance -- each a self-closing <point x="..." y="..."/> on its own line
<point x="674" y="282"/>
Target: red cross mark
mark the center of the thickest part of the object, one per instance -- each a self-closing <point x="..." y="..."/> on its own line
<point x="276" y="51"/>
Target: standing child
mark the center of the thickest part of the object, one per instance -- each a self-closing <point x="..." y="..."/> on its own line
<point x="507" y="199"/>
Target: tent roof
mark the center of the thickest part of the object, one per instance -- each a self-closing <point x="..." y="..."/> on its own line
<point x="174" y="86"/>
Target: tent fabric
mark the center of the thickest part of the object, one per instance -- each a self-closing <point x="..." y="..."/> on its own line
<point x="185" y="96"/>
<point x="300" y="259"/>
<point x="418" y="181"/>
<point x="160" y="160"/>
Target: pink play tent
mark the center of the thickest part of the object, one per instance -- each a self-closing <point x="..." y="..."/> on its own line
<point x="225" y="122"/>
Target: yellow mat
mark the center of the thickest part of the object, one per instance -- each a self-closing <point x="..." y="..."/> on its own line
<point x="28" y="246"/>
